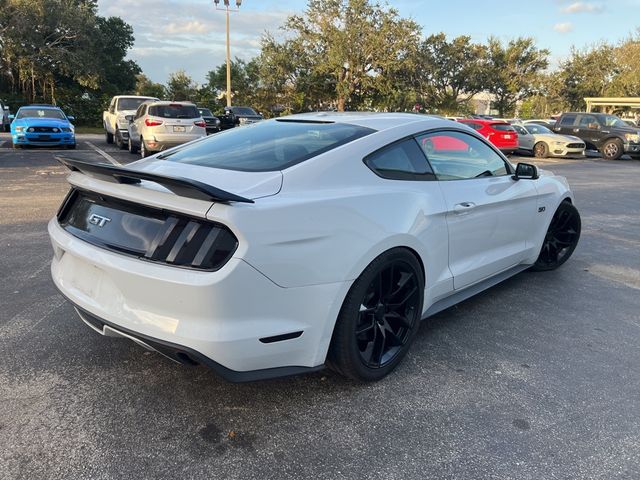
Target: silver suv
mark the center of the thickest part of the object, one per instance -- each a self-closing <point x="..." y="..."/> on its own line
<point x="157" y="126"/>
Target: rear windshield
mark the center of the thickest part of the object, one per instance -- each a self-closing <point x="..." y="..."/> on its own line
<point x="174" y="111"/>
<point x="205" y="112"/>
<point x="40" y="113"/>
<point x="130" y="103"/>
<point x="243" y="111"/>
<point x="503" y="127"/>
<point x="267" y="146"/>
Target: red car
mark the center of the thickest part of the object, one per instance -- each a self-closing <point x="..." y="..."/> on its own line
<point x="501" y="134"/>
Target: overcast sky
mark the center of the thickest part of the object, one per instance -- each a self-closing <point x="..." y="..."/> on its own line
<point x="190" y="34"/>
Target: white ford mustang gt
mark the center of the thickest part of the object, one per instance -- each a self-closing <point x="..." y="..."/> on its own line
<point x="310" y="240"/>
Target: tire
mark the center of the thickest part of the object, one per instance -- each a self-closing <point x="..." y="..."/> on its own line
<point x="143" y="149"/>
<point x="612" y="149"/>
<point x="131" y="147"/>
<point x="108" y="137"/>
<point x="16" y="146"/>
<point x="561" y="238"/>
<point x="374" y="330"/>
<point x="71" y="147"/>
<point x="117" y="138"/>
<point x="540" y="150"/>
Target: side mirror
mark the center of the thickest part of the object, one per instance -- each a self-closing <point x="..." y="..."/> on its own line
<point x="71" y="118"/>
<point x="129" y="118"/>
<point x="526" y="171"/>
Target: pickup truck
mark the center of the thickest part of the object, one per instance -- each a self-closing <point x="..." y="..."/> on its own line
<point x="114" y="121"/>
<point x="606" y="133"/>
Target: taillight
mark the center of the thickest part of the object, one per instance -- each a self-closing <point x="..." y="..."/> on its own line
<point x="152" y="123"/>
<point x="200" y="123"/>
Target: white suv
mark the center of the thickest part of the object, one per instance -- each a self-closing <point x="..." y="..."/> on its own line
<point x="157" y="126"/>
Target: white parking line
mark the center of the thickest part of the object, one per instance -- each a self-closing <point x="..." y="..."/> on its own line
<point x="104" y="154"/>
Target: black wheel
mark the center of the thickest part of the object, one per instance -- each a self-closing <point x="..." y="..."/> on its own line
<point x="540" y="150"/>
<point x="132" y="148"/>
<point x="379" y="317"/>
<point x="561" y="239"/>
<point x="118" y="140"/>
<point x="71" y="147"/>
<point x="612" y="149"/>
<point x="108" y="137"/>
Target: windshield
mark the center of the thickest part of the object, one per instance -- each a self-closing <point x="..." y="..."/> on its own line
<point x="174" y="111"/>
<point x="537" y="129"/>
<point x="40" y="113"/>
<point x="267" y="146"/>
<point x="130" y="103"/>
<point x="205" y="112"/>
<point x="613" y="121"/>
<point x="243" y="111"/>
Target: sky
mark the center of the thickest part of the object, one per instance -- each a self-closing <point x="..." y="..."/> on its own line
<point x="190" y="34"/>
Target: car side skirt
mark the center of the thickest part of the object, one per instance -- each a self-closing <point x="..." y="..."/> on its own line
<point x="461" y="295"/>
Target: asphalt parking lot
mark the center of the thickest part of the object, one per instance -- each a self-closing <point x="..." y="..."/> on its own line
<point x="537" y="378"/>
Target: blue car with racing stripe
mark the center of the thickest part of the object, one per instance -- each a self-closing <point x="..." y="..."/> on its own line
<point x="42" y="125"/>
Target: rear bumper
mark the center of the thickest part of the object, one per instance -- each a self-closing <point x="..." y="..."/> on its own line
<point x="226" y="319"/>
<point x="160" y="142"/>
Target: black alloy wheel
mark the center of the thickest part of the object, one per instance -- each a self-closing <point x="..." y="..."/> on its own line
<point x="561" y="239"/>
<point x="379" y="318"/>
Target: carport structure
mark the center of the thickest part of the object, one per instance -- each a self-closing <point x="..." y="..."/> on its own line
<point x="611" y="104"/>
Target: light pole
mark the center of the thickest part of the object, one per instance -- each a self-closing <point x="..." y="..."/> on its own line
<point x="227" y="9"/>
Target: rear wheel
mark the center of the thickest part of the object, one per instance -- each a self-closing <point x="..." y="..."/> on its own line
<point x="108" y="136"/>
<point x="132" y="147"/>
<point x="561" y="239"/>
<point x="143" y="149"/>
<point x="612" y="149"/>
<point x="540" y="150"/>
<point x="379" y="317"/>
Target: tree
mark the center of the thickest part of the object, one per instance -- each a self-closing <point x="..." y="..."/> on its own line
<point x="513" y="70"/>
<point x="146" y="88"/>
<point x="449" y="73"/>
<point x="180" y="86"/>
<point x="587" y="73"/>
<point x="356" y="43"/>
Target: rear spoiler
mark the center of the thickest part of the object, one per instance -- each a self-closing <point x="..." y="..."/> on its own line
<point x="183" y="187"/>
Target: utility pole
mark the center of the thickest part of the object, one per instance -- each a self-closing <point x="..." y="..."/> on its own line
<point x="227" y="10"/>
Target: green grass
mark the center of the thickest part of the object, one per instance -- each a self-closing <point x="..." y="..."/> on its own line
<point x="90" y="130"/>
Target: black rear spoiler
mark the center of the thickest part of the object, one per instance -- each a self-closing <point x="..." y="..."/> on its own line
<point x="183" y="187"/>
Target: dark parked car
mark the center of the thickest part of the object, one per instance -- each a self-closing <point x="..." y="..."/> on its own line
<point x="608" y="134"/>
<point x="213" y="122"/>
<point x="238" y="116"/>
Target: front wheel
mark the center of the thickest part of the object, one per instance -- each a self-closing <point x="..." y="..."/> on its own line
<point x="540" y="150"/>
<point x="561" y="239"/>
<point x="118" y="140"/>
<point x="108" y="137"/>
<point x="612" y="149"/>
<point x="379" y="317"/>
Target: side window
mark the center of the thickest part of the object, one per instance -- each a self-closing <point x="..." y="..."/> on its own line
<point x="402" y="160"/>
<point x="520" y="130"/>
<point x="141" y="110"/>
<point x="587" y="121"/>
<point x="460" y="156"/>
<point x="568" y="120"/>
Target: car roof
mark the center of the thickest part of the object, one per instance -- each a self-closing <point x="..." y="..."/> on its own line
<point x="375" y="120"/>
<point x="483" y="121"/>
<point x="167" y="102"/>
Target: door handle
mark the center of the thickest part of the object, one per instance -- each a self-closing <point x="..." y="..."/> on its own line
<point x="464" y="207"/>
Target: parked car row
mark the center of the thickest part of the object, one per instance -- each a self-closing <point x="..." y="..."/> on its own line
<point x="149" y="125"/>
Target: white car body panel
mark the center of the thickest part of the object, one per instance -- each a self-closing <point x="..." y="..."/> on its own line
<point x="313" y="229"/>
